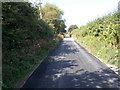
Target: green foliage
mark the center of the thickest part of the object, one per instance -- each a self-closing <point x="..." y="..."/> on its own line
<point x="72" y="27"/>
<point x="21" y="25"/>
<point x="26" y="40"/>
<point x="59" y="26"/>
<point x="50" y="11"/>
<point x="53" y="16"/>
<point x="101" y="37"/>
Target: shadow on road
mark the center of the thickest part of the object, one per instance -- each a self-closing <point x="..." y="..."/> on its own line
<point x="90" y="80"/>
<point x="56" y="76"/>
<point x="67" y="48"/>
<point x="57" y="71"/>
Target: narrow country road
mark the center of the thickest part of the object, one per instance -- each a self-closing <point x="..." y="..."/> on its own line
<point x="71" y="66"/>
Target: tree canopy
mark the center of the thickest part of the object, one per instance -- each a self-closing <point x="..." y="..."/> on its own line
<point x="51" y="12"/>
<point x="21" y="23"/>
<point x="72" y="27"/>
<point x="53" y="16"/>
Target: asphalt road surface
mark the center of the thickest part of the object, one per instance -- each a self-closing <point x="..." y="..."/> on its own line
<point x="69" y="65"/>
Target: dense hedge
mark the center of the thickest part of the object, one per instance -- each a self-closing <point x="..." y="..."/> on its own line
<point x="26" y="40"/>
<point x="101" y="36"/>
<point x="21" y="25"/>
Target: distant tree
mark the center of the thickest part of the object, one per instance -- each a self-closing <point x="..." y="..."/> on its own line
<point x="59" y="26"/>
<point x="62" y="26"/>
<point x="53" y="16"/>
<point x="72" y="27"/>
<point x="51" y="12"/>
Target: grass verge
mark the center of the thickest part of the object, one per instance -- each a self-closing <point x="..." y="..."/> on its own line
<point x="99" y="48"/>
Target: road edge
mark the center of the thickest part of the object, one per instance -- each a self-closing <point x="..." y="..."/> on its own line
<point x="113" y="68"/>
<point x="24" y="79"/>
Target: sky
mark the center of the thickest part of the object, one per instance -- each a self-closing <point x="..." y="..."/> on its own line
<point x="80" y="12"/>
